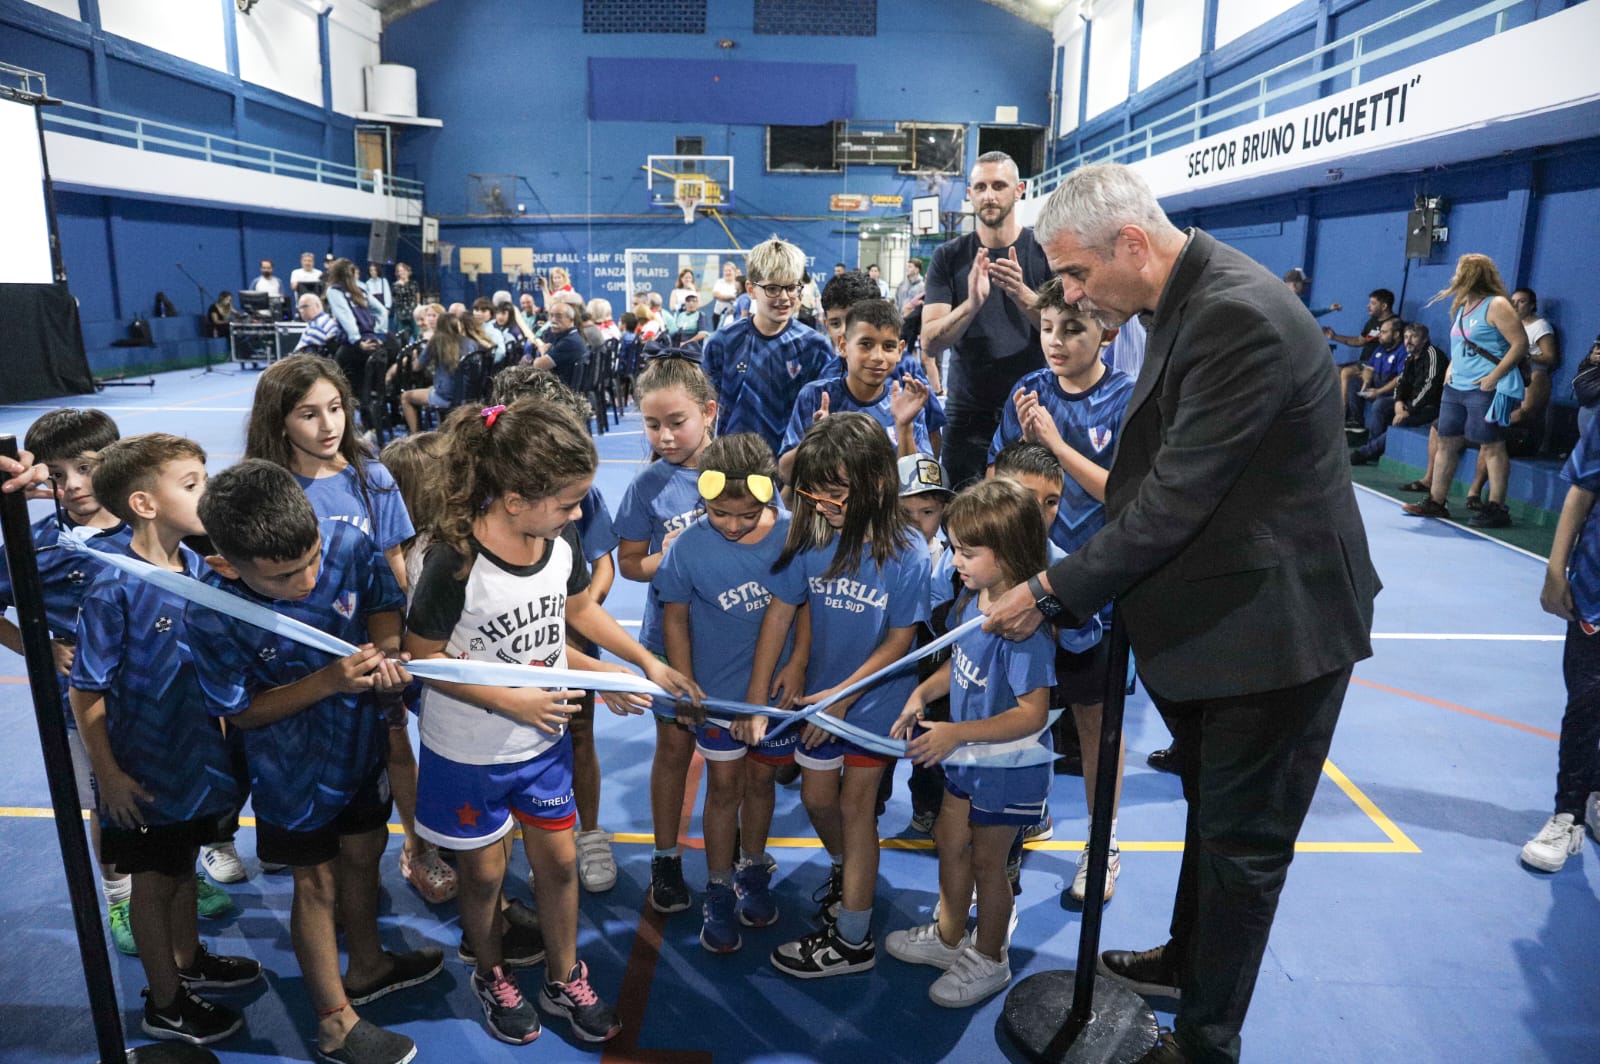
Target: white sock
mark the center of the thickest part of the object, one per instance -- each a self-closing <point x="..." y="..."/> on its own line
<point x="116" y="888"/>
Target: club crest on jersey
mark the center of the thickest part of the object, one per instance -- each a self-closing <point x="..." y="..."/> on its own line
<point x="345" y="605"/>
<point x="77" y="576"/>
<point x="1099" y="437"/>
<point x="793" y="366"/>
<point x="163" y="624"/>
<point x="267" y="653"/>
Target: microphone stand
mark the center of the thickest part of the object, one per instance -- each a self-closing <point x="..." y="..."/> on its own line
<point x="205" y="308"/>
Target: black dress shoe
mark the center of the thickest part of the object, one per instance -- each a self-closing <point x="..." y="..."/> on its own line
<point x="1165" y="1051"/>
<point x="1150" y="972"/>
<point x="1163" y="761"/>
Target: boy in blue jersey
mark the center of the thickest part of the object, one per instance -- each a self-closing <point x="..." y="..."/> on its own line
<point x="872" y="350"/>
<point x="315" y="733"/>
<point x="163" y="774"/>
<point x="844" y="291"/>
<point x="68" y="442"/>
<point x="1572" y="592"/>
<point x="759" y="364"/>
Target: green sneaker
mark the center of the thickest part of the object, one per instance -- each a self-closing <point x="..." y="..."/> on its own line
<point x="122" y="930"/>
<point x="211" y="901"/>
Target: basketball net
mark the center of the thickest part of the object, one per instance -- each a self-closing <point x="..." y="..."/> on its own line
<point x="689" y="193"/>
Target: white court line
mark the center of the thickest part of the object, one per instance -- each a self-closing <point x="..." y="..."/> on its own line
<point x="1486" y="637"/>
<point x="1465" y="528"/>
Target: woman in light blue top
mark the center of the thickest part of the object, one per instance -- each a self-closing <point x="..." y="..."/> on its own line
<point x="1487" y="341"/>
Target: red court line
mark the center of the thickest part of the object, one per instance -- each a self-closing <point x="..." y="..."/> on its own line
<point x="1452" y="707"/>
<point x="634" y="997"/>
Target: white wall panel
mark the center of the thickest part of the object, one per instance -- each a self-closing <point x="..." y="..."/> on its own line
<point x="278" y="49"/>
<point x="1110" y="55"/>
<point x="1071" y="82"/>
<point x="1235" y="18"/>
<point x="1169" y="39"/>
<point x="350" y="52"/>
<point x="69" y="8"/>
<point x="188" y="29"/>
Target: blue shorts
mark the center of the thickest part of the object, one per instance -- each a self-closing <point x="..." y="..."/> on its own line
<point x="1461" y="413"/>
<point x="832" y="753"/>
<point x="1016" y="796"/>
<point x="718" y="744"/>
<point x="466" y="807"/>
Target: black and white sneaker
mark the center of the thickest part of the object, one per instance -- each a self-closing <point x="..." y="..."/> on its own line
<point x="367" y="1043"/>
<point x="409" y="969"/>
<point x="520" y="947"/>
<point x="189" y="1019"/>
<point x="592" y="1019"/>
<point x="824" y="953"/>
<point x="668" y="892"/>
<point x="509" y="1016"/>
<point x="210" y="971"/>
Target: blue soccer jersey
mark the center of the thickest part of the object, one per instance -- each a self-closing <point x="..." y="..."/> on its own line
<point x="305" y="768"/>
<point x="595" y="528"/>
<point x="1583" y="566"/>
<point x="852" y="614"/>
<point x="662" y="499"/>
<point x="1089" y="422"/>
<point x="381" y="514"/>
<point x="133" y="648"/>
<point x="65" y="575"/>
<point x="759" y="377"/>
<point x="840" y="400"/>
<point x="910" y="365"/>
<point x="725" y="585"/>
<point x="988" y="674"/>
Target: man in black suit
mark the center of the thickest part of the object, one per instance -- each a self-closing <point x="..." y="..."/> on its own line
<point x="1237" y="556"/>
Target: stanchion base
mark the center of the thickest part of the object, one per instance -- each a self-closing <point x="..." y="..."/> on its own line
<point x="171" y="1053"/>
<point x="1121" y="1028"/>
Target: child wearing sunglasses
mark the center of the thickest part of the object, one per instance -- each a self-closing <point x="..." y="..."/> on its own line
<point x="855" y="561"/>
<point x="713" y="589"/>
<point x="679" y="408"/>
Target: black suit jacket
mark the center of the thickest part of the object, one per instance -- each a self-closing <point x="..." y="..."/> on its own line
<point x="1232" y="538"/>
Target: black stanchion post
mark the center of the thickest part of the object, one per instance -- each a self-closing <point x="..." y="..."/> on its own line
<point x="1076" y="1016"/>
<point x="81" y="888"/>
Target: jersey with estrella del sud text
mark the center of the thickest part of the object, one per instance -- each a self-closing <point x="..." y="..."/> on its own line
<point x="758" y="377"/>
<point x="133" y="648"/>
<point x="1088" y="423"/>
<point x="840" y="401"/>
<point x="65" y="575"/>
<point x="725" y="585"/>
<point x="515" y="614"/>
<point x="851" y="614"/>
<point x="381" y="514"/>
<point x="305" y="768"/>
<point x="662" y="499"/>
<point x="988" y="674"/>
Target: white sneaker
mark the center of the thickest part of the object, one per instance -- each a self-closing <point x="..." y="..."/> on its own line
<point x="1592" y="814"/>
<point x="1559" y="839"/>
<point x="222" y="863"/>
<point x="1080" y="879"/>
<point x="969" y="980"/>
<point x="922" y="945"/>
<point x="597" y="868"/>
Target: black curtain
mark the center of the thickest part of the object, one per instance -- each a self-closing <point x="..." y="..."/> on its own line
<point x="41" y="344"/>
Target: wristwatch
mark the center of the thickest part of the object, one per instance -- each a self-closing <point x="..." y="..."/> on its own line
<point x="1043" y="601"/>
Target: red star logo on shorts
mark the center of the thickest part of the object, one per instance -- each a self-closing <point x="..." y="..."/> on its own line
<point x="467" y="816"/>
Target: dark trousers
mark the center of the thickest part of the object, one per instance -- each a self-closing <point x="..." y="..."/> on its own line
<point x="1249" y="767"/>
<point x="1578" y="757"/>
<point x="967" y="436"/>
<point x="1380" y="419"/>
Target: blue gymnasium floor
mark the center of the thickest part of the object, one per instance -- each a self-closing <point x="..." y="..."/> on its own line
<point x="1409" y="931"/>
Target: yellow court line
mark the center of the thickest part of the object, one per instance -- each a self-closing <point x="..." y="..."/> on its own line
<point x="1398" y="839"/>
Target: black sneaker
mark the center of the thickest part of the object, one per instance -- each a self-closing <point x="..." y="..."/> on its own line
<point x="520" y="914"/>
<point x="824" y="953"/>
<point x="592" y="1019"/>
<point x="829" y="895"/>
<point x="668" y="892"/>
<point x="520" y="947"/>
<point x="212" y="972"/>
<point x="367" y="1043"/>
<point x="510" y="1016"/>
<point x="189" y="1019"/>
<point x="1149" y="972"/>
<point x="1491" y="515"/>
<point x="1163" y="761"/>
<point x="409" y="969"/>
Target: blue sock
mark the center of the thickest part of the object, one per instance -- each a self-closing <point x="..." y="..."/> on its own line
<point x="854" y="926"/>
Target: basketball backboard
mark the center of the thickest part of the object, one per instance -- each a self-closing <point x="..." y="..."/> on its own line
<point x="667" y="176"/>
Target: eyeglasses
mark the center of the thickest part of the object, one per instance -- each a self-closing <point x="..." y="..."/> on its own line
<point x="775" y="290"/>
<point x="827" y="506"/>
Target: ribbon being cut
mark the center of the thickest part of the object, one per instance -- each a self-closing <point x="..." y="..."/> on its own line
<point x="1017" y="753"/>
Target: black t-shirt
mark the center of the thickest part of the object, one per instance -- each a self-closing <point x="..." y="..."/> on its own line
<point x="1002" y="343"/>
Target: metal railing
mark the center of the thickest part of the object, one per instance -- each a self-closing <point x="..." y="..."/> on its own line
<point x="1259" y="93"/>
<point x="143" y="134"/>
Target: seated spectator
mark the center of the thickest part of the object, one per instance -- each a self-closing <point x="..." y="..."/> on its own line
<point x="557" y="282"/>
<point x="562" y="350"/>
<point x="1586" y="387"/>
<point x="599" y="311"/>
<point x="457" y="310"/>
<point x="307" y="278"/>
<point x="1299" y="283"/>
<point x="1381" y="373"/>
<point x="1544" y="355"/>
<point x="723" y="296"/>
<point x="363" y="322"/>
<point x="686" y="285"/>
<point x="322" y="333"/>
<point x="266" y="282"/>
<point x="443" y="354"/>
<point x="1380" y="308"/>
<point x="1413" y="402"/>
<point x="219" y="315"/>
<point x="630" y="353"/>
<point x="691" y="325"/>
<point x="593" y="338"/>
<point x="651" y="322"/>
<point x="514" y="341"/>
<point x="483" y="314"/>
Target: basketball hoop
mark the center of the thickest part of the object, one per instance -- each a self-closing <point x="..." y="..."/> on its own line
<point x="689" y="193"/>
